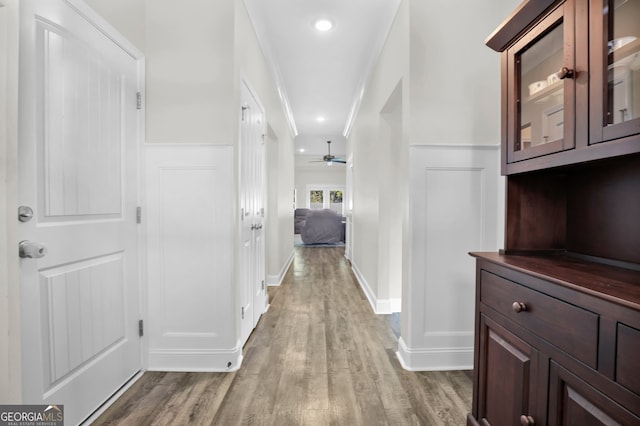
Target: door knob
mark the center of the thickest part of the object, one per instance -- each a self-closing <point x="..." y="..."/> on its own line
<point x="31" y="250"/>
<point x="565" y="73"/>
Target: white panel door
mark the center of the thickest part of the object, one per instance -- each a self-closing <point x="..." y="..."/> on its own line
<point x="78" y="166"/>
<point x="252" y="257"/>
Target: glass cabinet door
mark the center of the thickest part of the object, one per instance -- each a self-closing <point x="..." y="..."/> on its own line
<point x="615" y="81"/>
<point x="542" y="89"/>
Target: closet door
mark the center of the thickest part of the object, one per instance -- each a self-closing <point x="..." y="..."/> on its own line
<point x="253" y="297"/>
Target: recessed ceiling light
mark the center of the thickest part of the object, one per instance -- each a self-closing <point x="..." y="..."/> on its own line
<point x="323" y="25"/>
<point x="301" y="150"/>
<point x="320" y="119"/>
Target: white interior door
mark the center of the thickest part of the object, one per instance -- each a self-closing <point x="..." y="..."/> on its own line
<point x="78" y="165"/>
<point x="252" y="257"/>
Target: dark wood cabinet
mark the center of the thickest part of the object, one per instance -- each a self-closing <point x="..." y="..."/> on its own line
<point x="556" y="342"/>
<point x="571" y="80"/>
<point x="558" y="309"/>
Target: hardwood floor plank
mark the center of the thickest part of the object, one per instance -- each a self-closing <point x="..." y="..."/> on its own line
<point x="316" y="392"/>
<point x="316" y="418"/>
<point x="237" y="402"/>
<point x="319" y="356"/>
<point x="196" y="402"/>
<point x="316" y="357"/>
<point x="342" y="399"/>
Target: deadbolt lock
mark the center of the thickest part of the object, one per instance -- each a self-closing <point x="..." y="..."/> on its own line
<point x="25" y="213"/>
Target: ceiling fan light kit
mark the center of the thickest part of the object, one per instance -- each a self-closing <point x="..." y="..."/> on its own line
<point x="330" y="159"/>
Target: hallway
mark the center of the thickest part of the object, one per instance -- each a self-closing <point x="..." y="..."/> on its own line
<point x="319" y="356"/>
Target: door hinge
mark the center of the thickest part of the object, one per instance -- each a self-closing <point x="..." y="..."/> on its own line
<point x="242" y="311"/>
<point x="262" y="211"/>
<point x="263" y="138"/>
<point x="138" y="214"/>
<point x="263" y="284"/>
<point x="140" y="328"/>
<point x="138" y="100"/>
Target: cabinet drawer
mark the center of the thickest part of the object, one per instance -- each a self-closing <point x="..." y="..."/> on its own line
<point x="572" y="329"/>
<point x="628" y="358"/>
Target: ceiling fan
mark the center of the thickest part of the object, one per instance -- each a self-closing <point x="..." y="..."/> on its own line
<point x="330" y="159"/>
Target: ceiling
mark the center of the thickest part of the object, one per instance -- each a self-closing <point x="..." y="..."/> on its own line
<point x="321" y="74"/>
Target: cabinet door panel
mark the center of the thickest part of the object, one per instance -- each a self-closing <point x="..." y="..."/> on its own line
<point x="628" y="358"/>
<point x="542" y="98"/>
<point x="615" y="70"/>
<point x="574" y="402"/>
<point x="508" y="368"/>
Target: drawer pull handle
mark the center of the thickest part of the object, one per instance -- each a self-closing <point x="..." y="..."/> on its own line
<point x="519" y="307"/>
<point x="527" y="420"/>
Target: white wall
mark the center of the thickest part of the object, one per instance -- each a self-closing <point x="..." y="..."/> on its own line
<point x="191" y="95"/>
<point x="10" y="360"/>
<point x="450" y="95"/>
<point x="379" y="130"/>
<point x="127" y="16"/>
<point x="455" y="78"/>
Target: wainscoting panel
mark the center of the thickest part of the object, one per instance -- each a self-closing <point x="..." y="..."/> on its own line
<point x="190" y="245"/>
<point x="454" y="209"/>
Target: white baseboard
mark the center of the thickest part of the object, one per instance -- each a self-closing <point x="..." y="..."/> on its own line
<point x="388" y="306"/>
<point x="197" y="360"/>
<point x="434" y="359"/>
<point x="379" y="306"/>
<point x="365" y="286"/>
<point x="276" y="280"/>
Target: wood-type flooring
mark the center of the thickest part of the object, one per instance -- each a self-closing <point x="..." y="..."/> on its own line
<point x="319" y="356"/>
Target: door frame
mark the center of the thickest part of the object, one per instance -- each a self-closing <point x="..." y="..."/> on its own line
<point x="10" y="328"/>
<point x="104" y="27"/>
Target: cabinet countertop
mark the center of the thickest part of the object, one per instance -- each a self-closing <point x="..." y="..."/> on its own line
<point x="615" y="284"/>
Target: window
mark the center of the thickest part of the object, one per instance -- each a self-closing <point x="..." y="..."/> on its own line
<point x="316" y="199"/>
<point x="325" y="197"/>
<point x="335" y="201"/>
